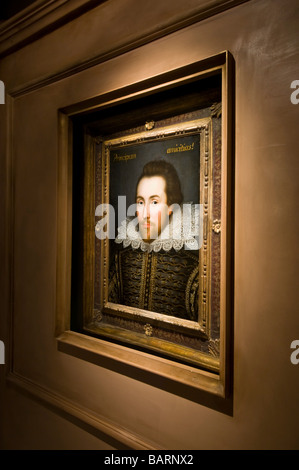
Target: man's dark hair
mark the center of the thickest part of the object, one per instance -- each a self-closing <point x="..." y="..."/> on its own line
<point x="167" y="171"/>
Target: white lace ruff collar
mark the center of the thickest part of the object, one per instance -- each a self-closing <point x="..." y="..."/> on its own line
<point x="183" y="231"/>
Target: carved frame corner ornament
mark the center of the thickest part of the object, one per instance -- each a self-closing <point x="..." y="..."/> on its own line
<point x="216" y="226"/>
<point x="195" y="353"/>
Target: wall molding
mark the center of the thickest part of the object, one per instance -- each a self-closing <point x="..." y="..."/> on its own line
<point x="46" y="15"/>
<point x="93" y="423"/>
<point x="40" y="18"/>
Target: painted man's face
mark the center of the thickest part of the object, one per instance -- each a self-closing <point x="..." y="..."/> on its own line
<point x="152" y="209"/>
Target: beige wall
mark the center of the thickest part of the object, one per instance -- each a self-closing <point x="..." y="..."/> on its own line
<point x="262" y="35"/>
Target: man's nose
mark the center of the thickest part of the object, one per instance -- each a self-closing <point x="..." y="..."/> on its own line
<point x="145" y="211"/>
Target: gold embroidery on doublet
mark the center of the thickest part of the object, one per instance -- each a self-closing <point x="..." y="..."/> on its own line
<point x="163" y="282"/>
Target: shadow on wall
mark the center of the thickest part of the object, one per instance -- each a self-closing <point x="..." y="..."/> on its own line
<point x="201" y="397"/>
<point x="9" y="8"/>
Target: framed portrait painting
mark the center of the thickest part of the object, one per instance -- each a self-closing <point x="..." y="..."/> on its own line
<point x="151" y="252"/>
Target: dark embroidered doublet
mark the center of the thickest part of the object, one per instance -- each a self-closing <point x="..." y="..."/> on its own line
<point x="164" y="282"/>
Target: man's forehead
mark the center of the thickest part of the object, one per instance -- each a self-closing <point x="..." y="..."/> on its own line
<point x="151" y="184"/>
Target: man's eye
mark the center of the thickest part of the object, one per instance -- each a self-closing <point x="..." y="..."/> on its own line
<point x="154" y="202"/>
<point x="139" y="203"/>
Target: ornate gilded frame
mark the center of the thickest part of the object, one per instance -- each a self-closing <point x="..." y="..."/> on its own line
<point x="97" y="319"/>
<point x="210" y="370"/>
